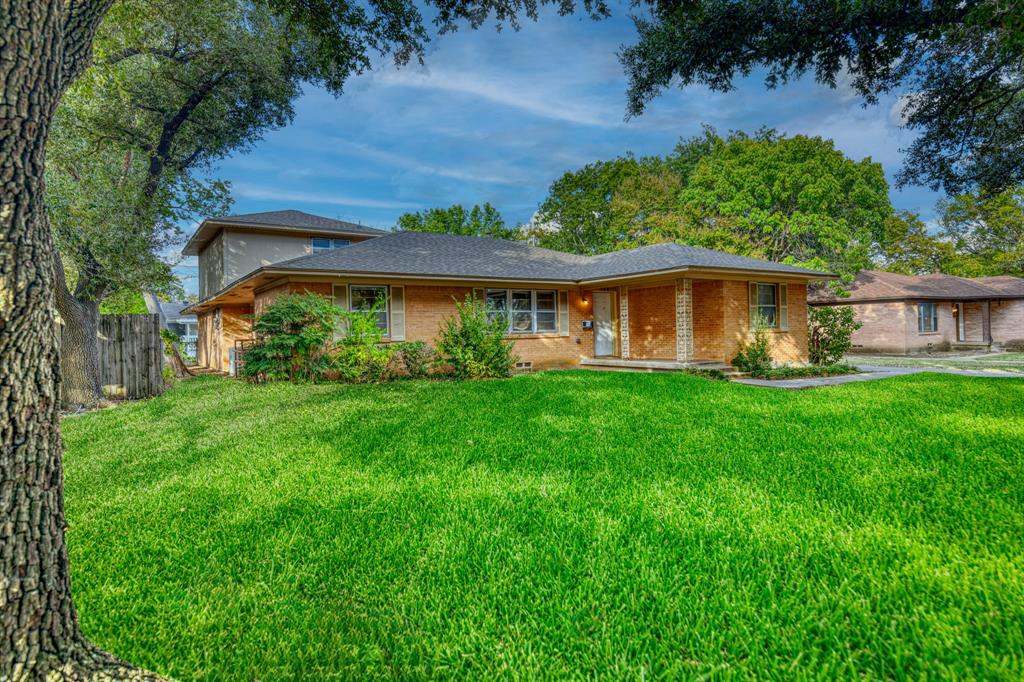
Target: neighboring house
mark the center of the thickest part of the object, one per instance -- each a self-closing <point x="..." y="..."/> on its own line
<point x="173" y="319"/>
<point x="907" y="314"/>
<point x="669" y="303"/>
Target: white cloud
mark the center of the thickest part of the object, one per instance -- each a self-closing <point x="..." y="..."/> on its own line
<point x="271" y="194"/>
<point x="547" y="102"/>
<point x="466" y="172"/>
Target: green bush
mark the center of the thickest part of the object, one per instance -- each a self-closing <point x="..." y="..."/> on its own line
<point x="755" y="356"/>
<point x="473" y="346"/>
<point x="361" y="356"/>
<point x="804" y="372"/>
<point x="417" y="358"/>
<point x="292" y="339"/>
<point x="831" y="333"/>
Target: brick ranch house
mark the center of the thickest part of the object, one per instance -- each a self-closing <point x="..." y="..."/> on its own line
<point x="659" y="306"/>
<point x="908" y="314"/>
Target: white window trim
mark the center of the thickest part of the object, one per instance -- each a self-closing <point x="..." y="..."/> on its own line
<point x="314" y="249"/>
<point x="509" y="312"/>
<point x="387" y="303"/>
<point x="934" y="317"/>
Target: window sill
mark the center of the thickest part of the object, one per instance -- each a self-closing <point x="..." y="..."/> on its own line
<point x="928" y="333"/>
<point x="534" y="335"/>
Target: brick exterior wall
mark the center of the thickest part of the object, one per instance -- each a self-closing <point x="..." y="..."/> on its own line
<point x="652" y="323"/>
<point x="268" y="296"/>
<point x="708" y="319"/>
<point x="1008" y="322"/>
<point x="787" y="347"/>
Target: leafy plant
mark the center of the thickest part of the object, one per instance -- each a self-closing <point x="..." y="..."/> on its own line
<point x="755" y="356"/>
<point x="803" y="372"/>
<point x="417" y="358"/>
<point x="831" y="333"/>
<point x="361" y="356"/>
<point x="293" y="334"/>
<point x="473" y="346"/>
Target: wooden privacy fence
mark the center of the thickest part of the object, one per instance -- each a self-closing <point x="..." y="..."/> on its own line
<point x="131" y="356"/>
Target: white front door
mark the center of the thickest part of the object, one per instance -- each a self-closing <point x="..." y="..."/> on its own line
<point x="604" y="327"/>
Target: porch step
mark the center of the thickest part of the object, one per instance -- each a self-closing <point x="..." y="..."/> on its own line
<point x="656" y="365"/>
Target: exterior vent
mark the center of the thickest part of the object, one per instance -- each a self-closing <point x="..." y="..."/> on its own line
<point x="524" y="366"/>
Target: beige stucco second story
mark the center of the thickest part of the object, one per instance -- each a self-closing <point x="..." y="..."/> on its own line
<point x="231" y="247"/>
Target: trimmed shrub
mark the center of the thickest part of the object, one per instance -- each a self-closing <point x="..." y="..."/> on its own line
<point x="755" y="355"/>
<point x="417" y="358"/>
<point x="361" y="355"/>
<point x="788" y="372"/>
<point x="473" y="346"/>
<point x="292" y="337"/>
<point x="830" y="333"/>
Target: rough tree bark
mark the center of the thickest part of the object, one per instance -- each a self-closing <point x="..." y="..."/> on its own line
<point x="80" y="350"/>
<point x="45" y="44"/>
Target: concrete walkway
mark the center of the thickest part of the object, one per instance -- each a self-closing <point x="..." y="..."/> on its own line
<point x="870" y="373"/>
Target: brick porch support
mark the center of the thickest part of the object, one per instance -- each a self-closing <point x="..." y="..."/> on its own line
<point x="624" y="322"/>
<point x="684" y="320"/>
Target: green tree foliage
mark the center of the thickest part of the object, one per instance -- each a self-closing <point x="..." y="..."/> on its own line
<point x="473" y="346"/>
<point x="987" y="233"/>
<point x="791" y="199"/>
<point x="831" y="331"/>
<point x="794" y="200"/>
<point x="479" y="221"/>
<point x="959" y="65"/>
<point x="908" y="248"/>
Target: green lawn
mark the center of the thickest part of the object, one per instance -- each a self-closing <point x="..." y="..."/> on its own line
<point x="558" y="525"/>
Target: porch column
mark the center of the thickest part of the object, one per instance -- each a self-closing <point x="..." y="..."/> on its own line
<point x="624" y="322"/>
<point x="684" y="320"/>
<point x="986" y="321"/>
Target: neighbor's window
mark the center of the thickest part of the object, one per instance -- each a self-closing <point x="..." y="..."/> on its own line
<point x="527" y="310"/>
<point x="363" y="298"/>
<point x="927" y="317"/>
<point x="768" y="305"/>
<point x="321" y="244"/>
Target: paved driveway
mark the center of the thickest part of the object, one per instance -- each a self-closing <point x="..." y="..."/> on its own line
<point x="870" y="373"/>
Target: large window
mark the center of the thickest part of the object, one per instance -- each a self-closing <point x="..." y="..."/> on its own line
<point x="527" y="311"/>
<point x="363" y="298"/>
<point x="321" y="244"/>
<point x="767" y="305"/>
<point x="927" y="318"/>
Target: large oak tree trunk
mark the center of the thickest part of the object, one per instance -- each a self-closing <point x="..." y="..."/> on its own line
<point x="44" y="43"/>
<point x="80" y="349"/>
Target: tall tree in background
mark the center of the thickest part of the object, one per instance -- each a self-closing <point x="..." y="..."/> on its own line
<point x="46" y="45"/>
<point x="909" y="248"/>
<point x="959" y="65"/>
<point x="987" y="233"/>
<point x="792" y="199"/>
<point x="479" y="221"/>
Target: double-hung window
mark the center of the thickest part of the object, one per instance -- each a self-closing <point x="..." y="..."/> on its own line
<point x="527" y="310"/>
<point x="321" y="244"/>
<point x="927" y="318"/>
<point x="767" y="305"/>
<point x="364" y="298"/>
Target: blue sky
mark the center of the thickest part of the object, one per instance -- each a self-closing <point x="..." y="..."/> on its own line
<point x="498" y="116"/>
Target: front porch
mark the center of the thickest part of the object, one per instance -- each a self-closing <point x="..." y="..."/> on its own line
<point x="652" y="365"/>
<point x="693" y="322"/>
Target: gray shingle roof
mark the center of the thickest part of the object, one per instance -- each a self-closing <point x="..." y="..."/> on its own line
<point x="873" y="285"/>
<point x="426" y="254"/>
<point x="289" y="220"/>
<point x="298" y="220"/>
